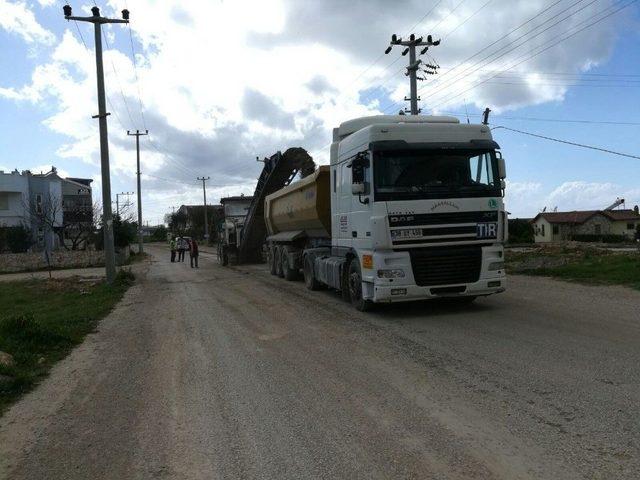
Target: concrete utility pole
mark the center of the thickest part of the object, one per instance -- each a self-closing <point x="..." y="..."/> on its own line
<point x="118" y="201"/>
<point x="414" y="65"/>
<point x="107" y="219"/>
<point x="204" y="192"/>
<point x="137" y="135"/>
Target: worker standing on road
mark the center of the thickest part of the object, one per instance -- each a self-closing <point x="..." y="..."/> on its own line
<point x="193" y="252"/>
<point x="181" y="249"/>
<point x="172" y="247"/>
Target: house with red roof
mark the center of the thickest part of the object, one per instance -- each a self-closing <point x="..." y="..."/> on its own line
<point x="563" y="226"/>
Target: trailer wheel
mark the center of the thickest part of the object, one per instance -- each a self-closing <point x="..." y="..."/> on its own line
<point x="273" y="269"/>
<point x="287" y="272"/>
<point x="277" y="259"/>
<point x="223" y="258"/>
<point x="355" y="287"/>
<point x="309" y="276"/>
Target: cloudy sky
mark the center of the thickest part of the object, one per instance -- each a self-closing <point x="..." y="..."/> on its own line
<point x="219" y="82"/>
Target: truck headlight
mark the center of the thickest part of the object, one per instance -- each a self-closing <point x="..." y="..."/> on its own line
<point x="392" y="273"/>
<point x="496" y="266"/>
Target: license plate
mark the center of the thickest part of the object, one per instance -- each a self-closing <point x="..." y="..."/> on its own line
<point x="406" y="233"/>
<point x="487" y="230"/>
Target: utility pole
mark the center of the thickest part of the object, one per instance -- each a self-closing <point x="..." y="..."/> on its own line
<point x="137" y="135"/>
<point x="414" y="65"/>
<point x="206" y="222"/>
<point x="118" y="201"/>
<point x="107" y="217"/>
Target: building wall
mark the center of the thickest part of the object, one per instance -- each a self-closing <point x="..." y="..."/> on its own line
<point x="14" y="189"/>
<point x="590" y="226"/>
<point x="620" y="228"/>
<point x="542" y="231"/>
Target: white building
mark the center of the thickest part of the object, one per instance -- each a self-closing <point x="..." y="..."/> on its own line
<point x="26" y="198"/>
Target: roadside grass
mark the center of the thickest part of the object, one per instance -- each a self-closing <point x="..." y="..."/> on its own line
<point x="42" y="320"/>
<point x="586" y="265"/>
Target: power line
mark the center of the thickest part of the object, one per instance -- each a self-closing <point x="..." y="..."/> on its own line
<point x="467" y="19"/>
<point x="115" y="113"/>
<point x="546" y="48"/>
<point x="551" y="120"/>
<point x="115" y="72"/>
<point x="506" y="35"/>
<point x="459" y="77"/>
<point x="591" y="147"/>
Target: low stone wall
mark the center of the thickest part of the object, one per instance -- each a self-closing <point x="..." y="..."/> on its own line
<point x="28" y="262"/>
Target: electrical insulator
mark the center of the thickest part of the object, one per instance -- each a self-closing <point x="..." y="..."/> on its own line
<point x="125" y="14"/>
<point x="95" y="11"/>
<point x="405" y="51"/>
<point x="394" y="38"/>
<point x="67" y="10"/>
<point x="412" y="37"/>
<point x="387" y="50"/>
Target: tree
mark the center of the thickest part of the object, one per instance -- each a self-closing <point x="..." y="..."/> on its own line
<point x="79" y="224"/>
<point x="159" y="234"/>
<point x="45" y="212"/>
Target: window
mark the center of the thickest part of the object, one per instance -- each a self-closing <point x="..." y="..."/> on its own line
<point x="630" y="226"/>
<point x="598" y="229"/>
<point x="4" y="201"/>
<point x="427" y="174"/>
<point x="556" y="229"/>
<point x="38" y="203"/>
<point x="334" y="173"/>
<point x="543" y="234"/>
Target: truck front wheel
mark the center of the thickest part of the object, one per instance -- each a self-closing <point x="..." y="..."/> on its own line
<point x="355" y="287"/>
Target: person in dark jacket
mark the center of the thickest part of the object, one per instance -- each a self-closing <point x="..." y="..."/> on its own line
<point x="193" y="252"/>
<point x="182" y="247"/>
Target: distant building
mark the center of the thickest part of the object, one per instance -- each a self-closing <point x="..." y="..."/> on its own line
<point x="563" y="226"/>
<point x="40" y="202"/>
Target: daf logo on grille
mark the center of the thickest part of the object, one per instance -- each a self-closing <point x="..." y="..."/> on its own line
<point x="403" y="218"/>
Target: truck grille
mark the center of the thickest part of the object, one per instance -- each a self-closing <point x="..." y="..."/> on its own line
<point x="448" y="218"/>
<point x="446" y="266"/>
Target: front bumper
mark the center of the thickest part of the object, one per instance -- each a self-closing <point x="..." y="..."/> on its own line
<point x="388" y="294"/>
<point x="381" y="290"/>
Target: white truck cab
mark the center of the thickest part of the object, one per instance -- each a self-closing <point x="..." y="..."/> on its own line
<point x="417" y="201"/>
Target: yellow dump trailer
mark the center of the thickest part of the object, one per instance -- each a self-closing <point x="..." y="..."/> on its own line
<point x="301" y="209"/>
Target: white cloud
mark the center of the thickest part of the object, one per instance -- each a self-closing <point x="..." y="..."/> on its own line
<point x="17" y="18"/>
<point x="580" y="195"/>
<point x="224" y="82"/>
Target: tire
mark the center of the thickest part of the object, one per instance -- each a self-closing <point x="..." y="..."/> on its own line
<point x="277" y="259"/>
<point x="272" y="261"/>
<point x="287" y="272"/>
<point x="310" y="280"/>
<point x="223" y="258"/>
<point x="354" y="282"/>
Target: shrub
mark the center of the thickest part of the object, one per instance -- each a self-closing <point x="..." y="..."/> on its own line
<point x="16" y="239"/>
<point x="125" y="277"/>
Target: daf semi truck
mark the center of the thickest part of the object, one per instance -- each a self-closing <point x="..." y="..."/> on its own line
<point x="410" y="208"/>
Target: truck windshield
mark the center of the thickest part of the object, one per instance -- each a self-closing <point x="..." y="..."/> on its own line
<point x="414" y="174"/>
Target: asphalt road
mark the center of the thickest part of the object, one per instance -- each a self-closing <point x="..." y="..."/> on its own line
<point x="224" y="373"/>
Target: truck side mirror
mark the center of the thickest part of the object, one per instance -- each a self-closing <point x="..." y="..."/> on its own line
<point x="502" y="168"/>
